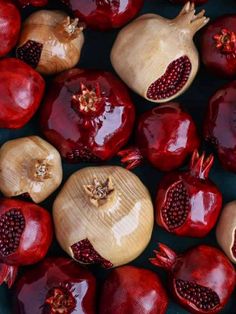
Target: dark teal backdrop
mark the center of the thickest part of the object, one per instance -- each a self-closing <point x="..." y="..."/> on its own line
<point x="96" y="55"/>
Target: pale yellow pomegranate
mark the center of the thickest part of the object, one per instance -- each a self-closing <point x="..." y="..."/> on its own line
<point x="156" y="57"/>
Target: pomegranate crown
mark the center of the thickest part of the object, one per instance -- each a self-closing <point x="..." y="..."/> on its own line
<point x="165" y="257"/>
<point x="200" y="166"/>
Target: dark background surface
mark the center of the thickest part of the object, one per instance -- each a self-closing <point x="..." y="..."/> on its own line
<point x="96" y="55"/>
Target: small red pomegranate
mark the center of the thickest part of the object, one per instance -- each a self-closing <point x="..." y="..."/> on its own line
<point x="133" y="290"/>
<point x="21" y="90"/>
<point x="88" y="115"/>
<point x="188" y="203"/>
<point x="34" y="3"/>
<point x="220" y="124"/>
<point x="55" y="286"/>
<point x="165" y="145"/>
<point x="104" y="14"/>
<point x="218" y="46"/>
<point x="201" y="279"/>
<point x="10" y="23"/>
<point x="25" y="236"/>
<point x="197" y="2"/>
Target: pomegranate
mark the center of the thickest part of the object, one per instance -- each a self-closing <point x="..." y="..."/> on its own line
<point x="25" y="236"/>
<point x="10" y="23"/>
<point x="104" y="14"/>
<point x="165" y="145"/>
<point x="226" y="230"/>
<point x="201" y="279"/>
<point x="219" y="126"/>
<point x="87" y="115"/>
<point x="156" y="57"/>
<point x="55" y="286"/>
<point x="197" y="2"/>
<point x="21" y="90"/>
<point x="34" y="3"/>
<point x="133" y="290"/>
<point x="188" y="203"/>
<point x="218" y="46"/>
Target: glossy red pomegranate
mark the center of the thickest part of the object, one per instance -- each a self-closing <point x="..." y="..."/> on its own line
<point x="197" y="2"/>
<point x="21" y="90"/>
<point x="201" y="279"/>
<point x="218" y="46"/>
<point x="55" y="286"/>
<point x="165" y="145"/>
<point x="87" y="115"/>
<point x="133" y="290"/>
<point x="220" y="124"/>
<point x="104" y="14"/>
<point x="188" y="203"/>
<point x="10" y="23"/>
<point x="25" y="236"/>
<point x="34" y="3"/>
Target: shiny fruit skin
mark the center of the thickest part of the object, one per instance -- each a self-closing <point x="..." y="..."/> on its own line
<point x="36" y="237"/>
<point x="10" y="23"/>
<point x="197" y="2"/>
<point x="220" y="61"/>
<point x="92" y="135"/>
<point x="219" y="126"/>
<point x="166" y="145"/>
<point x="21" y="90"/>
<point x="32" y="288"/>
<point x="133" y="290"/>
<point x="34" y="3"/>
<point x="104" y="15"/>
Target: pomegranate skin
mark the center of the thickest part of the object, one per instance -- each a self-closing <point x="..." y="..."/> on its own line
<point x="37" y="284"/>
<point x="193" y="195"/>
<point x="197" y="2"/>
<point x="87" y="115"/>
<point x="218" y="46"/>
<point x="203" y="275"/>
<point x="219" y="126"/>
<point x="133" y="290"/>
<point x="104" y="15"/>
<point x="34" y="3"/>
<point x="21" y="90"/>
<point x="10" y="23"/>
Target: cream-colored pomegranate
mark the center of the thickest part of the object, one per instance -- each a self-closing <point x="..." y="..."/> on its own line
<point x="103" y="215"/>
<point x="226" y="231"/>
<point x="50" y="41"/>
<point x="29" y="165"/>
<point x="156" y="57"/>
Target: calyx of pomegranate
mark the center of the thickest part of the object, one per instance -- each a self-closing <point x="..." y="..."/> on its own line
<point x="60" y="300"/>
<point x="41" y="170"/>
<point x="225" y="41"/>
<point x="69" y="29"/>
<point x="100" y="192"/>
<point x="200" y="166"/>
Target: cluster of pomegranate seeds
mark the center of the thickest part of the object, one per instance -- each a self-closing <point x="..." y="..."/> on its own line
<point x="82" y="154"/>
<point x="84" y="252"/>
<point x="30" y="52"/>
<point x="12" y="224"/>
<point x="176" y="208"/>
<point x="204" y="298"/>
<point x="172" y="81"/>
<point x="60" y="300"/>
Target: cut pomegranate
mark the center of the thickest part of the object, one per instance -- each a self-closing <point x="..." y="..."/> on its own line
<point x="188" y="203"/>
<point x="30" y="53"/>
<point x="201" y="279"/>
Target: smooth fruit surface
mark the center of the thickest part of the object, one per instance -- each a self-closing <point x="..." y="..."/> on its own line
<point x="133" y="290"/>
<point x="87" y="115"/>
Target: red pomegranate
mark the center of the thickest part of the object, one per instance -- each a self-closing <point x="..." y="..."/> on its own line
<point x="10" y="23"/>
<point x="88" y="115"/>
<point x="55" y="286"/>
<point x="188" y="203"/>
<point x="197" y="2"/>
<point x="218" y="46"/>
<point x="104" y="14"/>
<point x="34" y="3"/>
<point x="133" y="290"/>
<point x="25" y="236"/>
<point x="21" y="90"/>
<point x="165" y="145"/>
<point x="201" y="279"/>
<point x="220" y="126"/>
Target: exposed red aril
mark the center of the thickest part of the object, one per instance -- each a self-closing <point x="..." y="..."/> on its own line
<point x="55" y="286"/>
<point x="202" y="279"/>
<point x="133" y="290"/>
<point x="165" y="145"/>
<point x="10" y="23"/>
<point x="103" y="14"/>
<point x="87" y="115"/>
<point x="188" y="203"/>
<point x="25" y="236"/>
